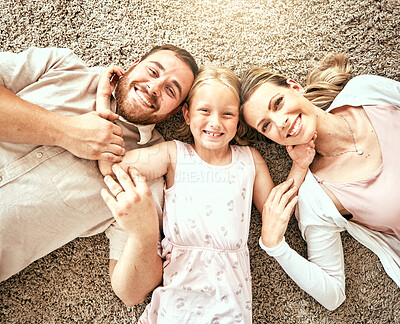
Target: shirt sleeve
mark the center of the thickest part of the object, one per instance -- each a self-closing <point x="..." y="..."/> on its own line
<point x="322" y="275"/>
<point x="18" y="71"/>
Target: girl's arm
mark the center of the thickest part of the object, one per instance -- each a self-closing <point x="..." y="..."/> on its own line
<point x="274" y="222"/>
<point x="152" y="162"/>
<point x="263" y="182"/>
<point x="107" y="82"/>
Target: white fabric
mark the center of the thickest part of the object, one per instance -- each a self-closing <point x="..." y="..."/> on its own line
<point x="322" y="275"/>
<point x="206" y="223"/>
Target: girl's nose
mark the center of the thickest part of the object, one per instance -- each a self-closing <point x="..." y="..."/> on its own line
<point x="215" y="120"/>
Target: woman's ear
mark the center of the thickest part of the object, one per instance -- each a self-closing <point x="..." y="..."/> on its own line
<point x="295" y="86"/>
<point x="185" y="112"/>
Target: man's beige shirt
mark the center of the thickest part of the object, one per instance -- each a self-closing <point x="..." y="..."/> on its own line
<point x="48" y="196"/>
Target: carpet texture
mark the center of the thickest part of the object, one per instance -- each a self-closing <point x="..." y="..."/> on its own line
<point x="288" y="36"/>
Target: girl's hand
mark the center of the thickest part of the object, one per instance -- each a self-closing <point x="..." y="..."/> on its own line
<point x="108" y="80"/>
<point x="276" y="213"/>
<point x="303" y="154"/>
<point x="131" y="203"/>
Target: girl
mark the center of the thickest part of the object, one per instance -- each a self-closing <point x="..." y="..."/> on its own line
<point x="353" y="184"/>
<point x="209" y="189"/>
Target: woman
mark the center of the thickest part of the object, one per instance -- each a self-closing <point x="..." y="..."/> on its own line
<point x="353" y="180"/>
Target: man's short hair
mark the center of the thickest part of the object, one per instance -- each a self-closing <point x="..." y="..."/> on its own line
<point x="182" y="54"/>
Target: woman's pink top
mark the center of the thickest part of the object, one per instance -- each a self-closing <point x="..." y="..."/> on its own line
<point x="375" y="202"/>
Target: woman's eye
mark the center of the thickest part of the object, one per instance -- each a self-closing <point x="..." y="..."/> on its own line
<point x="265" y="127"/>
<point x="278" y="102"/>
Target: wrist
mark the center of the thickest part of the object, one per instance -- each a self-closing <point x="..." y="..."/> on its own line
<point x="60" y="134"/>
<point x="270" y="241"/>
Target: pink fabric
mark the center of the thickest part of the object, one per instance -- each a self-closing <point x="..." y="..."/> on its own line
<point x="375" y="202"/>
<point x="206" y="223"/>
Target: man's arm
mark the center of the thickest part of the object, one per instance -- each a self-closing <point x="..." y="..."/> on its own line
<point x="89" y="136"/>
<point x="139" y="269"/>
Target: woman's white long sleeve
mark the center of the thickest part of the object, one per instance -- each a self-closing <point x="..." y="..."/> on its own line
<point x="322" y="276"/>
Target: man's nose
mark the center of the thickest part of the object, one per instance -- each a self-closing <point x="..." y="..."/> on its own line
<point x="154" y="87"/>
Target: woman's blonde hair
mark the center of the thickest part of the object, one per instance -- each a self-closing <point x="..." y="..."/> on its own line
<point x="324" y="83"/>
<point x="208" y="74"/>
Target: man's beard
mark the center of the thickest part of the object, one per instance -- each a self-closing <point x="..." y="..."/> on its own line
<point x="134" y="112"/>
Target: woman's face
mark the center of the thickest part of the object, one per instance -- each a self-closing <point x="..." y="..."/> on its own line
<point x="281" y="113"/>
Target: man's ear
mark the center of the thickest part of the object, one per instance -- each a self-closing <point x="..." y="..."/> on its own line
<point x="295" y="86"/>
<point x="185" y="112"/>
<point x="134" y="64"/>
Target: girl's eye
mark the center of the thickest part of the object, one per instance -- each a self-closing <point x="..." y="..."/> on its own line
<point x="265" y="127"/>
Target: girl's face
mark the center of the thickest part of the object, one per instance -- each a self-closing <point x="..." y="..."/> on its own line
<point x="281" y="113"/>
<point x="213" y="115"/>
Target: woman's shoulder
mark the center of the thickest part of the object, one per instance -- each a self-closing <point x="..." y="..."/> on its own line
<point x="368" y="89"/>
<point x="315" y="208"/>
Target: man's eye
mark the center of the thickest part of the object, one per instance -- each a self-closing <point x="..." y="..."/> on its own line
<point x="171" y="91"/>
<point x="152" y="72"/>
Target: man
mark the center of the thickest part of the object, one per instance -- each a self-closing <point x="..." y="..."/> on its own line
<point x="50" y="137"/>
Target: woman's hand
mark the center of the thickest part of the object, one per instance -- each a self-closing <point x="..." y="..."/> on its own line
<point x="303" y="154"/>
<point x="131" y="203"/>
<point x="276" y="213"/>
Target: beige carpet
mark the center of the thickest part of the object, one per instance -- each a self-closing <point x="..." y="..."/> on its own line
<point x="71" y="284"/>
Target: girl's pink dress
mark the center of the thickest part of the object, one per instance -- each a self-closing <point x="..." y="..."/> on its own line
<point x="206" y="225"/>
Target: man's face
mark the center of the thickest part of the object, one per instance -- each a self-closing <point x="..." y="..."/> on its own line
<point x="152" y="90"/>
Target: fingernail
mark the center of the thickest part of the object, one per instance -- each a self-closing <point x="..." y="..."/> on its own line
<point x="290" y="180"/>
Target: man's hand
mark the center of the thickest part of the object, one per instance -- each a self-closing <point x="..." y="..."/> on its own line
<point x="276" y="213"/>
<point x="131" y="203"/>
<point x="93" y="136"/>
<point x="303" y="154"/>
<point x="107" y="83"/>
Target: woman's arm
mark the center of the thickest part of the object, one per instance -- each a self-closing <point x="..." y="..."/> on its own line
<point x="139" y="269"/>
<point x="322" y="275"/>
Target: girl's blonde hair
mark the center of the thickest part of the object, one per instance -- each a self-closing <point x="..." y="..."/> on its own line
<point x="324" y="83"/>
<point x="208" y="74"/>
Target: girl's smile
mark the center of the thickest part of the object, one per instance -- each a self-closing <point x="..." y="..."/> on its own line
<point x="213" y="116"/>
